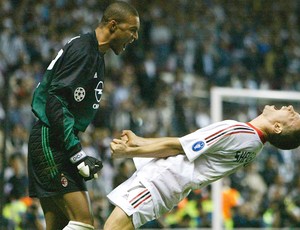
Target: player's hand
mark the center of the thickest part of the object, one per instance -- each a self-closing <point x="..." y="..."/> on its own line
<point x="87" y="166"/>
<point x="118" y="148"/>
<point x="130" y="138"/>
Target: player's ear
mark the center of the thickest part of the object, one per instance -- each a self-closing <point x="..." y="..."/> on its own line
<point x="277" y="127"/>
<point x="112" y="26"/>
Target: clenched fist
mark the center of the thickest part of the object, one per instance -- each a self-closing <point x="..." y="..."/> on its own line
<point x="118" y="148"/>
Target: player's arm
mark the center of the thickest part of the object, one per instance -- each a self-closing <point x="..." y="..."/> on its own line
<point x="156" y="147"/>
<point x="62" y="124"/>
<point x="60" y="118"/>
<point x="69" y="68"/>
<point x="134" y="140"/>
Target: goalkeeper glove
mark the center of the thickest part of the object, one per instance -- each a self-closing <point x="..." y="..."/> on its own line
<point x="87" y="166"/>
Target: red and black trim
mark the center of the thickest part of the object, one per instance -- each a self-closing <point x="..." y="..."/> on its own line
<point x="142" y="197"/>
<point x="232" y="130"/>
<point x="259" y="132"/>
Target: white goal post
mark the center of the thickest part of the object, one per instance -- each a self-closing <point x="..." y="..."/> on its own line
<point x="217" y="96"/>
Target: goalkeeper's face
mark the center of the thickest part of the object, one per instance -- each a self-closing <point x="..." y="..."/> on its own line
<point x="124" y="34"/>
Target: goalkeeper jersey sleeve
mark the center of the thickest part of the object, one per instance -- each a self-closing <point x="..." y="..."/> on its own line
<point x="68" y="96"/>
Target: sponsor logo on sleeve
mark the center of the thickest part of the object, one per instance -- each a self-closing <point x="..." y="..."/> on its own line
<point x="198" y="146"/>
<point x="98" y="94"/>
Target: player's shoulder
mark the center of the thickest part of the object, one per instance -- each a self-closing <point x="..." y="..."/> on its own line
<point x="232" y="123"/>
<point x="226" y="125"/>
<point x="81" y="38"/>
<point x="83" y="42"/>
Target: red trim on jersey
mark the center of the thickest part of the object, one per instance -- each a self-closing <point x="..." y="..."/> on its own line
<point x="230" y="133"/>
<point x="234" y="129"/>
<point x="259" y="132"/>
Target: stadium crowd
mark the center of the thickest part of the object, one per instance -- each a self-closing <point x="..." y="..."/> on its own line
<point x="159" y="87"/>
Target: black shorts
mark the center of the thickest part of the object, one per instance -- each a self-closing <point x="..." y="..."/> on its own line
<point x="50" y="171"/>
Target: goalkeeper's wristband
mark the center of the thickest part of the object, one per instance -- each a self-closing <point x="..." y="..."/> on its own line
<point x="78" y="157"/>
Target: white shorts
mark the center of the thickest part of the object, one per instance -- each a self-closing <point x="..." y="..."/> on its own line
<point x="135" y="200"/>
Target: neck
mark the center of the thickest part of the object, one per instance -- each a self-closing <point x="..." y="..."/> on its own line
<point x="102" y="38"/>
<point x="261" y="124"/>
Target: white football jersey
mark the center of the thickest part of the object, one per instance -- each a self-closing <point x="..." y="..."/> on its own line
<point x="210" y="154"/>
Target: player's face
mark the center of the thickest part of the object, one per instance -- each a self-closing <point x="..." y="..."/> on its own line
<point x="286" y="115"/>
<point x="126" y="32"/>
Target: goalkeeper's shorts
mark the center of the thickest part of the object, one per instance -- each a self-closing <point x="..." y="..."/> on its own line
<point x="50" y="172"/>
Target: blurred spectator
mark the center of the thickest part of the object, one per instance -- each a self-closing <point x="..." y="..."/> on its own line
<point x="14" y="210"/>
<point x="17" y="140"/>
<point x="124" y="170"/>
<point x="148" y="80"/>
<point x="17" y="181"/>
<point x="292" y="202"/>
<point x="161" y="38"/>
<point x="33" y="218"/>
<point x="255" y="185"/>
<point x="269" y="170"/>
<point x="246" y="217"/>
<point x="231" y="198"/>
<point x="278" y="189"/>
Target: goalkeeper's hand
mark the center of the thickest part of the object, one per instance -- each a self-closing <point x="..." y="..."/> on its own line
<point x="87" y="166"/>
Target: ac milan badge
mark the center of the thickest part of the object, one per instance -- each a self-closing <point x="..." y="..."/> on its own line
<point x="64" y="181"/>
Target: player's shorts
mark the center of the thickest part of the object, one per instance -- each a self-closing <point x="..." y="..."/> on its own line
<point x="50" y="172"/>
<point x="135" y="200"/>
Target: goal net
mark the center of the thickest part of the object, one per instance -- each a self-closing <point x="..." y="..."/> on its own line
<point x="229" y="99"/>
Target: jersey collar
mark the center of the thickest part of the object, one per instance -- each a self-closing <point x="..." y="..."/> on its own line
<point x="259" y="132"/>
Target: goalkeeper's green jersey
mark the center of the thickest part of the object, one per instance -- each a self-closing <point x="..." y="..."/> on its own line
<point x="67" y="98"/>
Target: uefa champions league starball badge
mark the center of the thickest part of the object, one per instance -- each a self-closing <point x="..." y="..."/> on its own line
<point x="79" y="94"/>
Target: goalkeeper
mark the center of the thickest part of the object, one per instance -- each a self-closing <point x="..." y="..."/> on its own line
<point x="65" y="103"/>
<point x="190" y="162"/>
